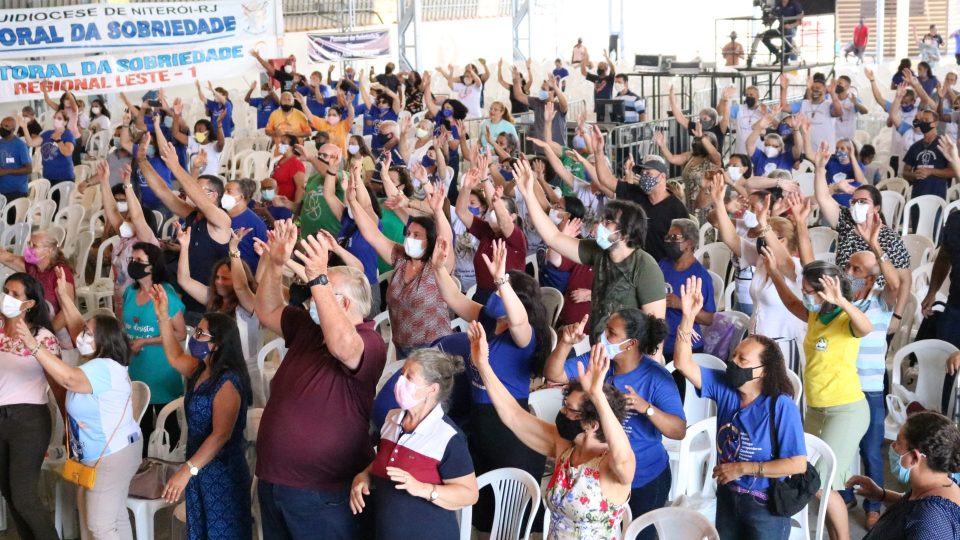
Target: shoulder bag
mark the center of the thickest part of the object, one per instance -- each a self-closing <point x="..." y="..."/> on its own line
<point x="84" y="475"/>
<point x="788" y="496"/>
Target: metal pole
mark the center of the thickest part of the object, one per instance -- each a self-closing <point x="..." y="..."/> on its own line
<point x="880" y="22"/>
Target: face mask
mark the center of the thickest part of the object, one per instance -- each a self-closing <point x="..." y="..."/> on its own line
<point x="544" y="95"/>
<point x="579" y="143"/>
<point x="902" y="473"/>
<point x="811" y="302"/>
<point x="841" y="89"/>
<point x="842" y="156"/>
<point x="137" y="270"/>
<point x="227" y="202"/>
<point x="126" y="230"/>
<point x="288" y="68"/>
<point x="734" y="172"/>
<point x="447" y="113"/>
<point x="612" y="349"/>
<point x="567" y="428"/>
<point x="333" y="119"/>
<point x="405" y="392"/>
<point x="282" y="148"/>
<point x="427" y="162"/>
<point x="4" y="133"/>
<point x="555" y="216"/>
<point x="198" y="349"/>
<point x="859" y="212"/>
<point x="750" y="102"/>
<point x="10" y="307"/>
<point x="116" y="142"/>
<point x="617" y="88"/>
<point x="200" y="137"/>
<point x="168" y="122"/>
<point x="94" y="110"/>
<point x="924" y="127"/>
<point x="422" y="133"/>
<point x="353" y="149"/>
<point x="906" y="108"/>
<point x="122" y="207"/>
<point x="648" y="182"/>
<point x="314" y="314"/>
<point x="30" y="255"/>
<point x="416" y="186"/>
<point x="494" y="307"/>
<point x="151" y="151"/>
<point x="856" y="284"/>
<point x="750" y="220"/>
<point x="314" y="82"/>
<point x="674" y="250"/>
<point x="771" y="151"/>
<point x="267" y="194"/>
<point x="475" y="210"/>
<point x="784" y="130"/>
<point x="286" y="108"/>
<point x="413" y="247"/>
<point x="84" y="344"/>
<point x="707" y="123"/>
<point x="737" y="376"/>
<point x="58" y="123"/>
<point x="603" y="237"/>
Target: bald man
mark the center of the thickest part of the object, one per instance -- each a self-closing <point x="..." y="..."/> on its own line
<point x="287" y="120"/>
<point x="15" y="163"/>
<point x="315" y="212"/>
<point x="863" y="269"/>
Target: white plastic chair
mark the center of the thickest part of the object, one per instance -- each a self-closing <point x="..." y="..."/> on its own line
<point x="140" y="399"/>
<point x="256" y="165"/>
<point x="37" y="189"/>
<point x="919" y="247"/>
<point x="514" y="490"/>
<point x="673" y="522"/>
<point x="389" y="369"/>
<point x="895" y="184"/>
<point x="159" y="446"/>
<point x="80" y="256"/>
<point x="728" y="294"/>
<point x="823" y="239"/>
<point x="64" y="189"/>
<point x="14" y="237"/>
<point x="546" y="403"/>
<point x="553" y="302"/>
<point x="816" y="450"/>
<point x="19" y="209"/>
<point x="931" y="210"/>
<point x="705" y="230"/>
<point x="931" y="356"/>
<point x="100" y="287"/>
<point x="531" y="260"/>
<point x="891" y="207"/>
<point x="41" y="213"/>
<point x="797" y="386"/>
<point x="718" y="290"/>
<point x="742" y="323"/>
<point x="69" y="217"/>
<point x="267" y="372"/>
<point x="697" y="457"/>
<point x="719" y="258"/>
<point x="58" y="233"/>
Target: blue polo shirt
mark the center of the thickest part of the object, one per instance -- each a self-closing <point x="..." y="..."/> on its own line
<point x="317" y="107"/>
<point x="213" y="109"/>
<point x="147" y="197"/>
<point x="358" y="246"/>
<point x="250" y="220"/>
<point x="14" y="154"/>
<point x="674" y="279"/>
<point x="264" y="107"/>
<point x="511" y="363"/>
<point x="763" y="165"/>
<point x="837" y="172"/>
<point x="653" y="383"/>
<point x="56" y="166"/>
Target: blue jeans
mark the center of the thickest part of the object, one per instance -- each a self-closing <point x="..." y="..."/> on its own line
<point x="650" y="496"/>
<point x="290" y="513"/>
<point x="744" y="517"/>
<point x="871" y="448"/>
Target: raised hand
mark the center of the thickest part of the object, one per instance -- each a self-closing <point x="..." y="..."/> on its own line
<point x="770" y="261"/>
<point x="869" y="73"/>
<point x="949" y="149"/>
<point x="497" y="266"/>
<point x="548" y="112"/>
<point x="436" y="199"/>
<point x="479" y="350"/>
<point x="183" y="235"/>
<point x="523" y="177"/>
<point x="691" y="297"/>
<point x="831" y="292"/>
<point x="236" y="235"/>
<point x="592" y="378"/>
<point x="440" y="252"/>
<point x="822" y="155"/>
<point x="572" y="334"/>
<point x="572" y="227"/>
<point x="161" y="304"/>
<point x="314" y="256"/>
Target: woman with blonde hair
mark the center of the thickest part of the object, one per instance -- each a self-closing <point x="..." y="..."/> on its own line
<point x="500" y="121"/>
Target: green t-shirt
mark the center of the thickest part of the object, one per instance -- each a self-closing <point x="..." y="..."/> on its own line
<point x="631" y="283"/>
<point x="392" y="228"/>
<point x="151" y="366"/>
<point x="315" y="213"/>
<point x="575" y="167"/>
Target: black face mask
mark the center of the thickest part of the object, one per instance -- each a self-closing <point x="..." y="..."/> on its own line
<point x="137" y="270"/>
<point x="750" y="101"/>
<point x="4" y="133"/>
<point x="567" y="428"/>
<point x="286" y="108"/>
<point x="674" y="250"/>
<point x="738" y="376"/>
<point x="925" y="127"/>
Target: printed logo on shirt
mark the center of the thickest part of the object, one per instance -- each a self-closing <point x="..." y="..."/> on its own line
<point x="769" y="168"/>
<point x="926" y="159"/>
<point x="668" y="287"/>
<point x="821" y="345"/>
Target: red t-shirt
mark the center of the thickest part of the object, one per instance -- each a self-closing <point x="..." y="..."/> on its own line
<point x="314" y="429"/>
<point x="48" y="278"/>
<point x="516" y="251"/>
<point x="860" y="36"/>
<point x="283" y="173"/>
<point x="581" y="277"/>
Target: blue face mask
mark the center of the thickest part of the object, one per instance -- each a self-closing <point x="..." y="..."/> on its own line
<point x="475" y="210"/>
<point x="784" y="130"/>
<point x="811" y="302"/>
<point x="842" y="156"/>
<point x="447" y="113"/>
<point x="902" y="473"/>
<point x="603" y="237"/>
<point x="507" y="174"/>
<point x="198" y="349"/>
<point x="579" y="143"/>
<point x="544" y="95"/>
<point x="906" y="108"/>
<point x="168" y="122"/>
<point x="427" y="161"/>
<point x="151" y="151"/>
<point x="494" y="307"/>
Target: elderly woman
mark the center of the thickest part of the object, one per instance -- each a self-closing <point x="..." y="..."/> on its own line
<point x="926" y="451"/>
<point x="41" y="258"/>
<point x="679" y="265"/>
<point x="441" y="480"/>
<point x="753" y="391"/>
<point x="102" y="431"/>
<point x="590" y="486"/>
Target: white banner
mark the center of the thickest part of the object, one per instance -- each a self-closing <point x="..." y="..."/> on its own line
<point x="160" y="57"/>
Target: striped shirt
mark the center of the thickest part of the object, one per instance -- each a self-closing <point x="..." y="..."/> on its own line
<point x="871" y="360"/>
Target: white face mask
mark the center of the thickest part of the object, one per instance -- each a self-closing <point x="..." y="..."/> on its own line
<point x="288" y="68"/>
<point x="413" y="247"/>
<point x="122" y="207"/>
<point x="227" y="202"/>
<point x="58" y="123"/>
<point x="750" y="219"/>
<point x="771" y="151"/>
<point x="353" y="149"/>
<point x="859" y="212"/>
<point x="10" y="307"/>
<point x="84" y="344"/>
<point x="734" y="172"/>
<point x="555" y="216"/>
<point x="422" y="133"/>
<point x="94" y="110"/>
<point x="126" y="230"/>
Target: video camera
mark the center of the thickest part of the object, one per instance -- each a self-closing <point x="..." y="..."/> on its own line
<point x="766" y="8"/>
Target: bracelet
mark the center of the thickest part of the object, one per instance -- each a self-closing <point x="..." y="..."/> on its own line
<point x="684" y="336"/>
<point x="235" y="254"/>
<point x="760" y="472"/>
<point x="35" y="350"/>
<point x="502" y="281"/>
<point x="164" y="320"/>
<point x="897" y="317"/>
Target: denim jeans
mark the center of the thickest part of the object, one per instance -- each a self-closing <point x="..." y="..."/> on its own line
<point x="650" y="496"/>
<point x="871" y="448"/>
<point x="744" y="517"/>
<point x="290" y="513"/>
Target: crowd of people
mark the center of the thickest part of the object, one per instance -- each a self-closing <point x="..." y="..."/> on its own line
<point x="449" y="225"/>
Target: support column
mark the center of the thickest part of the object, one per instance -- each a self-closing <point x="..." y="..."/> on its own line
<point x="521" y="17"/>
<point x="878" y="30"/>
<point x="408" y="15"/>
<point x="904" y="32"/>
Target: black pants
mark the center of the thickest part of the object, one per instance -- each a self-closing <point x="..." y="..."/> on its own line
<point x="24" y="437"/>
<point x="149" y="424"/>
<point x="772" y="34"/>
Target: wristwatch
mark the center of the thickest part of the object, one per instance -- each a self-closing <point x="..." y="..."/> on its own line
<point x="502" y="281"/>
<point x="650" y="411"/>
<point x="433" y="494"/>
<point x="235" y="254"/>
<point x="194" y="470"/>
<point x="319" y="280"/>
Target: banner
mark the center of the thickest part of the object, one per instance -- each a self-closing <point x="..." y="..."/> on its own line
<point x="349" y="46"/>
<point x="198" y="40"/>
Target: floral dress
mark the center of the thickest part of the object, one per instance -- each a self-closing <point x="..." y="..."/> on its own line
<point x="577" y="507"/>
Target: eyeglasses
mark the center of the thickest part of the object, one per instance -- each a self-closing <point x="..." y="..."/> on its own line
<point x="325" y="155"/>
<point x="199" y="333"/>
<point x="567" y="410"/>
<point x="674" y="238"/>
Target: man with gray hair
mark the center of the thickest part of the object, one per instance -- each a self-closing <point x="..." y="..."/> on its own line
<point x="679" y="264"/>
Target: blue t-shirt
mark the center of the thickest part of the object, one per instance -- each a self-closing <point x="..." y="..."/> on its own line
<point x="250" y="220"/>
<point x="147" y="197"/>
<point x="653" y="383"/>
<point x="743" y="433"/>
<point x="213" y="109"/>
<point x="837" y="172"/>
<point x="372" y="117"/>
<point x="264" y="108"/>
<point x="316" y="107"/>
<point x="511" y="363"/>
<point x="106" y="411"/>
<point x="763" y="165"/>
<point x="358" y="246"/>
<point x="560" y="73"/>
<point x="674" y="279"/>
<point x="56" y="166"/>
<point x="280" y="212"/>
<point x="930" y="84"/>
<point x="551" y="276"/>
<point x="14" y="154"/>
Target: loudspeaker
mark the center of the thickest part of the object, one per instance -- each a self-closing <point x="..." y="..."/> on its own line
<point x="613" y="49"/>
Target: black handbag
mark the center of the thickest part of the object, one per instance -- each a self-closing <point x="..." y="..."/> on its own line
<point x="788" y="496"/>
